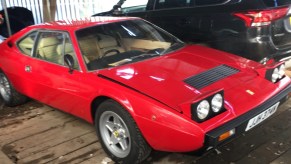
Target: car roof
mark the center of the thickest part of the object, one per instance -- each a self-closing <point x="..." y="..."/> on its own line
<point x="76" y="24"/>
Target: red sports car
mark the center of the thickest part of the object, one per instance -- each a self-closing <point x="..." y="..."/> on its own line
<point x="141" y="87"/>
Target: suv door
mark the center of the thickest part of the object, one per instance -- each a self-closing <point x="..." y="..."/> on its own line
<point x="190" y="20"/>
<point x="173" y="15"/>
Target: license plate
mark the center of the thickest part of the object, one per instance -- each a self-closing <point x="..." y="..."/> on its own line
<point x="262" y="116"/>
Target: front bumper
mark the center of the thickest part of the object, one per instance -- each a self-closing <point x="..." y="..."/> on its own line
<point x="240" y="123"/>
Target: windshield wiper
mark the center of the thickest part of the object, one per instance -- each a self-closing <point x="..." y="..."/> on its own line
<point x="174" y="46"/>
<point x="146" y="55"/>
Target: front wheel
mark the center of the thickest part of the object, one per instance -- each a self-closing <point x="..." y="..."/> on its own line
<point x="9" y="95"/>
<point x="119" y="135"/>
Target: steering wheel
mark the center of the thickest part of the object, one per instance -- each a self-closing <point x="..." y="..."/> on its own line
<point x="110" y="51"/>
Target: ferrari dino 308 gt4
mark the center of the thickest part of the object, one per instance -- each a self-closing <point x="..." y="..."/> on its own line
<point x="140" y="86"/>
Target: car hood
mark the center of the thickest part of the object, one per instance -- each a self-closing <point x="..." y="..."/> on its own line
<point x="164" y="78"/>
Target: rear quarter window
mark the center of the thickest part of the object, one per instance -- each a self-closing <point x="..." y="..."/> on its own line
<point x="275" y="3"/>
<point x="25" y="45"/>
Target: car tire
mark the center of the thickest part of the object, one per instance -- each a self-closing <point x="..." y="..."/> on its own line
<point x="119" y="134"/>
<point x="8" y="94"/>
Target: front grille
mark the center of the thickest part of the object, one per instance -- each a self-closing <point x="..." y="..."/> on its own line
<point x="211" y="76"/>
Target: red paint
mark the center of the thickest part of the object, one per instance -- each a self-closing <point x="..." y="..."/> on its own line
<point x="160" y="78"/>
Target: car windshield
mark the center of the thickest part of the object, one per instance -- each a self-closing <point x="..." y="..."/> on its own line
<point x="125" y="42"/>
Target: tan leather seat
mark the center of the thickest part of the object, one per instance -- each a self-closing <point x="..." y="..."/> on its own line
<point x="89" y="48"/>
<point x="47" y="50"/>
<point x="94" y="47"/>
<point x="67" y="49"/>
<point x="26" y="45"/>
<point x="107" y="43"/>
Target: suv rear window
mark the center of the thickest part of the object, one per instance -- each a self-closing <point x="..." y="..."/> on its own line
<point x="209" y="2"/>
<point x="275" y="3"/>
<point x="164" y="4"/>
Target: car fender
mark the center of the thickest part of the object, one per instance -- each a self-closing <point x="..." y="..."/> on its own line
<point x="163" y="127"/>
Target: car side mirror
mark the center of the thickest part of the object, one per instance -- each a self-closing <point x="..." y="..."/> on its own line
<point x="69" y="61"/>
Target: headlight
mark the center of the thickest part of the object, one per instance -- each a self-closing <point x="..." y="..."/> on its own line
<point x="281" y="71"/>
<point x="275" y="75"/>
<point x="203" y="109"/>
<point x="208" y="107"/>
<point x="216" y="103"/>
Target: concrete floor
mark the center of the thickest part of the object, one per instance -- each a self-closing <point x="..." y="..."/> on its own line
<point x="34" y="133"/>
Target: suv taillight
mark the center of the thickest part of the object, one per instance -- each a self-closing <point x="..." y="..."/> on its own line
<point x="262" y="17"/>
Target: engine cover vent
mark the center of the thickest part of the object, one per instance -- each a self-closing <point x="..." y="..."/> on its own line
<point x="210" y="76"/>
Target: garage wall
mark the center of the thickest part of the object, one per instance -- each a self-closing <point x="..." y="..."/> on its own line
<point x="81" y="8"/>
<point x="66" y="9"/>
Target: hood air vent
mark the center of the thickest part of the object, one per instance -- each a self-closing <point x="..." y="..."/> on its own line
<point x="211" y="76"/>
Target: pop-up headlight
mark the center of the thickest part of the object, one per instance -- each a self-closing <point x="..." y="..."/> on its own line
<point x="276" y="74"/>
<point x="208" y="107"/>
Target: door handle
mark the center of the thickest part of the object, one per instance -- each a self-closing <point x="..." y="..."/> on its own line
<point x="27" y="68"/>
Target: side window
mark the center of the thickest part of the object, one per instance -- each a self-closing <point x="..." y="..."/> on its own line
<point x="150" y="5"/>
<point x="67" y="48"/>
<point x="47" y="47"/>
<point x="26" y="44"/>
<point x="164" y="4"/>
<point x="134" y="6"/>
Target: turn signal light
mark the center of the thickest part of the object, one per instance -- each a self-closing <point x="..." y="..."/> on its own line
<point x="226" y="135"/>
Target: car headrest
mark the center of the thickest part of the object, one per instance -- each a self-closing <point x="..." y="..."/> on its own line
<point x="68" y="48"/>
<point x="106" y="41"/>
<point x="49" y="41"/>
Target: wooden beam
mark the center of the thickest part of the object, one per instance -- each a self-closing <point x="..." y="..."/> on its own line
<point x="49" y="10"/>
<point x="53" y="9"/>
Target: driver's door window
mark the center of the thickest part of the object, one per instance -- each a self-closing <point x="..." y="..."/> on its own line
<point x="53" y="46"/>
<point x="47" y="47"/>
<point x="66" y="48"/>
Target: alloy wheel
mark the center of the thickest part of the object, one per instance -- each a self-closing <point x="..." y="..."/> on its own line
<point x="115" y="134"/>
<point x="5" y="89"/>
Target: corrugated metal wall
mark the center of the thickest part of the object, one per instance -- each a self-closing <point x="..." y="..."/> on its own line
<point x="66" y="9"/>
<point x="81" y="8"/>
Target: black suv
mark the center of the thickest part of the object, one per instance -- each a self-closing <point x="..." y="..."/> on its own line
<point x="256" y="29"/>
<point x="19" y="17"/>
